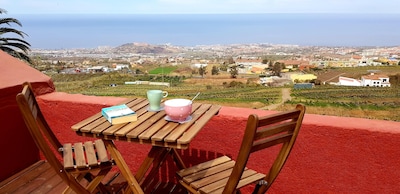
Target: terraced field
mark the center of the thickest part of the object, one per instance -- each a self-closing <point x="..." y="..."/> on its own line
<point x="258" y="96"/>
<point x="240" y="94"/>
<point x="364" y="102"/>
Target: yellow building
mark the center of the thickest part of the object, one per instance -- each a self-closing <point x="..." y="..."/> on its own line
<point x="302" y="77"/>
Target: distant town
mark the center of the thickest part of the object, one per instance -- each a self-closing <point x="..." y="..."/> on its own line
<point x="249" y="59"/>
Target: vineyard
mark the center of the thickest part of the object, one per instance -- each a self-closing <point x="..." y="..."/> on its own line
<point x="353" y="97"/>
<point x="113" y="85"/>
<point x="215" y="94"/>
<point x="365" y="102"/>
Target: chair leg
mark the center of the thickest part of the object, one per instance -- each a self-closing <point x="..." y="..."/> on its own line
<point x="132" y="181"/>
<point x="96" y="182"/>
<point x="67" y="190"/>
<point x="76" y="180"/>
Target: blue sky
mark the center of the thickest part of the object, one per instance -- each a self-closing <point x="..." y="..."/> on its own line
<point x="197" y="6"/>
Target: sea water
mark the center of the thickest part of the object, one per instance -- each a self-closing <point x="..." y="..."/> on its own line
<point x="90" y="31"/>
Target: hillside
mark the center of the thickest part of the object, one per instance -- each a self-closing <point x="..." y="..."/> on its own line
<point x="332" y="75"/>
<point x="144" y="48"/>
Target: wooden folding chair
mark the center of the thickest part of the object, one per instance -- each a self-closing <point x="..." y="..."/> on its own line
<point x="224" y="175"/>
<point x="88" y="161"/>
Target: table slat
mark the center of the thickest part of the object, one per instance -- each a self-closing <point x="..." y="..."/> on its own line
<point x="167" y="129"/>
<point x="85" y="122"/>
<point x="192" y="132"/>
<point x="156" y="127"/>
<point x="132" y="125"/>
<point x="135" y="101"/>
<point x="145" y="125"/>
<point x="105" y="126"/>
<point x="100" y="120"/>
<point x="172" y="137"/>
<point x="171" y="134"/>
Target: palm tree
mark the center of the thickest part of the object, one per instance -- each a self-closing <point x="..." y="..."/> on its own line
<point x="16" y="47"/>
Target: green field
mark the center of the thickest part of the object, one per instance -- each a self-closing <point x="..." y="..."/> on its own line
<point x="163" y="70"/>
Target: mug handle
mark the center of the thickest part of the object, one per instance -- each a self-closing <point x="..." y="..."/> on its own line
<point x="165" y="94"/>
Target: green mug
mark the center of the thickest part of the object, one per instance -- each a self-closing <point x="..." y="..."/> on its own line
<point x="154" y="97"/>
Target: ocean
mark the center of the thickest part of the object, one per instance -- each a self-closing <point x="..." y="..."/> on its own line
<point x="91" y="31"/>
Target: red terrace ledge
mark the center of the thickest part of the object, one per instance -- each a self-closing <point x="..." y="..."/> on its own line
<point x="331" y="155"/>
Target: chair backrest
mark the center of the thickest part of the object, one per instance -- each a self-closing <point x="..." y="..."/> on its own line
<point x="41" y="133"/>
<point x="264" y="132"/>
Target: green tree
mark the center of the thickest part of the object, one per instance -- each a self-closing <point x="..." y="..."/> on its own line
<point x="16" y="47"/>
<point x="223" y="67"/>
<point x="214" y="70"/>
<point x="271" y="65"/>
<point x="234" y="71"/>
<point x="277" y="68"/>
<point x="202" y="70"/>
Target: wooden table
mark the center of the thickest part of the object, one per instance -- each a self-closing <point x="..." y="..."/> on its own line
<point x="150" y="128"/>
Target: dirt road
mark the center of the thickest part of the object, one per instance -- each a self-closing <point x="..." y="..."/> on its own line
<point x="285" y="97"/>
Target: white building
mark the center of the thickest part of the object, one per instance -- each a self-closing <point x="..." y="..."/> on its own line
<point x="246" y="64"/>
<point x="371" y="80"/>
<point x="199" y="65"/>
<point x="97" y="69"/>
<point x="345" y="81"/>
<point x="120" y="67"/>
<point x="375" y="80"/>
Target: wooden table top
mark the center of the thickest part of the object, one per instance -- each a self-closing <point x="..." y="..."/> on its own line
<point x="151" y="127"/>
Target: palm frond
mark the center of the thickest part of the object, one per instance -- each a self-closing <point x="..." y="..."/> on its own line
<point x="16" y="47"/>
<point x="12" y="30"/>
<point x="2" y="11"/>
<point x="9" y="21"/>
<point x="16" y="54"/>
<point x="20" y="46"/>
<point x="15" y="40"/>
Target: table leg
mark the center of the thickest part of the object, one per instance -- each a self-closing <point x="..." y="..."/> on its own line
<point x="123" y="167"/>
<point x="152" y="163"/>
<point x="178" y="159"/>
<point x="154" y="158"/>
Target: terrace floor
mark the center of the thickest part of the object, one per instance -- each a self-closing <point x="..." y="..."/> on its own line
<point x="41" y="178"/>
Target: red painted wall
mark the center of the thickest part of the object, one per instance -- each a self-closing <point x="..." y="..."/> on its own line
<point x="331" y="155"/>
<point x="17" y="148"/>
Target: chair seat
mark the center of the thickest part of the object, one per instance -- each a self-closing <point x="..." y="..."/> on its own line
<point x="212" y="176"/>
<point x="85" y="156"/>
